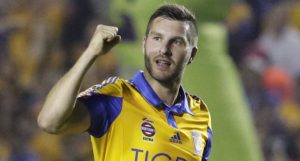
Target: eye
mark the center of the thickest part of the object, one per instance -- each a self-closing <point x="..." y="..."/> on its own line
<point x="157" y="38"/>
<point x="178" y="42"/>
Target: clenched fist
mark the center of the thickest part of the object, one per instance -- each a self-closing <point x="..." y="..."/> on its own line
<point x="104" y="38"/>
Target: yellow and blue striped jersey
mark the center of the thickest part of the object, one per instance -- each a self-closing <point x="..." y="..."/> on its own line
<point x="129" y="122"/>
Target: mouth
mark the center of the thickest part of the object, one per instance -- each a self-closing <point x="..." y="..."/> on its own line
<point x="163" y="64"/>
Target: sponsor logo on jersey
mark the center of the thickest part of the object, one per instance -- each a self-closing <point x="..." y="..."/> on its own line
<point x="146" y="155"/>
<point x="148" y="130"/>
<point x="176" y="138"/>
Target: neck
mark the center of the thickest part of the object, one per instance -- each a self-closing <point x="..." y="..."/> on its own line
<point x="166" y="91"/>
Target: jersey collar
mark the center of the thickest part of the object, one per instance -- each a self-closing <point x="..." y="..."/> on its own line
<point x="145" y="89"/>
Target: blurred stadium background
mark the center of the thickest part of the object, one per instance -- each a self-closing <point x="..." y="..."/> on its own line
<point x="247" y="70"/>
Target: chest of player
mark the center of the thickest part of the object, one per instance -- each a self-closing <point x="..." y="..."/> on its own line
<point x="147" y="136"/>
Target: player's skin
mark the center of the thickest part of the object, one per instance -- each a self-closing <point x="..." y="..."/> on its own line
<point x="167" y="50"/>
<point x="60" y="112"/>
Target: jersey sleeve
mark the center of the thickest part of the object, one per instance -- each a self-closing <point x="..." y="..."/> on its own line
<point x="104" y="103"/>
<point x="208" y="145"/>
<point x="197" y="102"/>
<point x="207" y="149"/>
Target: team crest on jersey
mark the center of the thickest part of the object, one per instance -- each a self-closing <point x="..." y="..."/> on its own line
<point x="148" y="130"/>
<point x="196" y="135"/>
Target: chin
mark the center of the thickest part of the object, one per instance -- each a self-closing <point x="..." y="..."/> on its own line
<point x="164" y="76"/>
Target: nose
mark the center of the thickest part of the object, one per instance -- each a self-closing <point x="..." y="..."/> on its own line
<point x="165" y="49"/>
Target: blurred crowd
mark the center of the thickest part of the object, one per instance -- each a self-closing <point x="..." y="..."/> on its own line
<point x="40" y="40"/>
<point x="264" y="43"/>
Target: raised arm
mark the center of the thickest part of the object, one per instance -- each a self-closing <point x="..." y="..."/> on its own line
<point x="60" y="112"/>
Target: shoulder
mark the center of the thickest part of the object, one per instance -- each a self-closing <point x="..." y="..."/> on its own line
<point x="199" y="107"/>
<point x="111" y="86"/>
<point x="196" y="101"/>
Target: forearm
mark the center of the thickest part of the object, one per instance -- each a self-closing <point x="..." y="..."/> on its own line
<point x="61" y="99"/>
<point x="60" y="110"/>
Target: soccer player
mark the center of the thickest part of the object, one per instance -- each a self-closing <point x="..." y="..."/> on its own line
<point x="147" y="118"/>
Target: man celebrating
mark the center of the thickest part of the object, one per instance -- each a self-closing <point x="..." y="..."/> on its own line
<point x="147" y="118"/>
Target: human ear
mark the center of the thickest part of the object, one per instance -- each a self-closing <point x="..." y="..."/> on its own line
<point x="193" y="54"/>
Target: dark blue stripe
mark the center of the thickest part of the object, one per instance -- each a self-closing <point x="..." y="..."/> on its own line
<point x="145" y="89"/>
<point x="207" y="148"/>
<point x="170" y="118"/>
<point x="103" y="110"/>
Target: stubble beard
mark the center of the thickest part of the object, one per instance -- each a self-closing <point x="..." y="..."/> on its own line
<point x="166" y="78"/>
